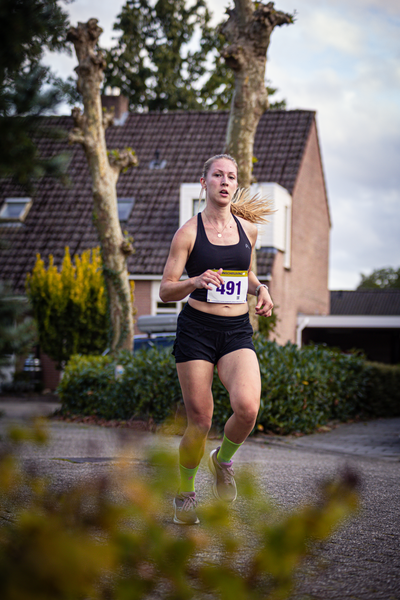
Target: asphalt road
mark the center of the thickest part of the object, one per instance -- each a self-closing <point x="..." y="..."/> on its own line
<point x="362" y="559"/>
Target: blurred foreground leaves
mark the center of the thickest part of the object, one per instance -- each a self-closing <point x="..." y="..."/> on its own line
<point x="112" y="537"/>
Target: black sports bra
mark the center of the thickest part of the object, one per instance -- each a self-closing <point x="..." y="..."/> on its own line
<point x="205" y="255"/>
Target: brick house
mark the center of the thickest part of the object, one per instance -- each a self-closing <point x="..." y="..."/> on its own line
<point x="162" y="192"/>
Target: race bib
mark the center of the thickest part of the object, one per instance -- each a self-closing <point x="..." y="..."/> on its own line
<point x="232" y="291"/>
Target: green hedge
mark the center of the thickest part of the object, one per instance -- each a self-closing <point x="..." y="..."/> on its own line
<point x="383" y="390"/>
<point x="301" y="389"/>
<point x="148" y="387"/>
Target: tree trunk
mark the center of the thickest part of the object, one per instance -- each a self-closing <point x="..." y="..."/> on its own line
<point x="247" y="31"/>
<point x="104" y="169"/>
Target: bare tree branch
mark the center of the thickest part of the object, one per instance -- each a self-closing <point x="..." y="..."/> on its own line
<point x="105" y="169"/>
<point x="248" y="30"/>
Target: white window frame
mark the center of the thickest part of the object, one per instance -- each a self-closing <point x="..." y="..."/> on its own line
<point x="277" y="233"/>
<point x="188" y="197"/>
<point x="25" y="203"/>
<point x="124" y="200"/>
<point x="156" y="300"/>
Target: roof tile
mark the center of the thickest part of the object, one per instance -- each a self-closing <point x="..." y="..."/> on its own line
<point x="62" y="215"/>
<point x="365" y="302"/>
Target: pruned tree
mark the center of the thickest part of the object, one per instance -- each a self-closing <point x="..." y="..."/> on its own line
<point x="105" y="168"/>
<point x="217" y="91"/>
<point x="247" y="31"/>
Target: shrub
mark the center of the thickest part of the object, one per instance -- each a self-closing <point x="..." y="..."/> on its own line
<point x="107" y="537"/>
<point x="267" y="327"/>
<point x="301" y="389"/>
<point x="304" y="388"/>
<point x="383" y="390"/>
<point x="70" y="305"/>
<point x="148" y="388"/>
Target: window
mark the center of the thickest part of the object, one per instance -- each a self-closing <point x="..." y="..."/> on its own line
<point x="274" y="234"/>
<point x="157" y="163"/>
<point x="15" y="209"/>
<point x="189" y="204"/>
<point x="125" y="206"/>
<point x="161" y="308"/>
<point x="277" y="233"/>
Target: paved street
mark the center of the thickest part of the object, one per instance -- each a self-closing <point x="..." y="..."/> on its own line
<point x="362" y="560"/>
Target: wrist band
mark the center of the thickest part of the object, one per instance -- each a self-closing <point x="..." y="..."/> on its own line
<point x="259" y="287"/>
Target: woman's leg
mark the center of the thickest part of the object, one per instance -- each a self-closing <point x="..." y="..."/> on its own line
<point x="240" y="374"/>
<point x="195" y="378"/>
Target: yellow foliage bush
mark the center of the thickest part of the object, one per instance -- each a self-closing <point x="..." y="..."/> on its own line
<point x="70" y="305"/>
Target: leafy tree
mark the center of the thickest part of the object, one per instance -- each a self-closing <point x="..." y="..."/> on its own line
<point x="153" y="66"/>
<point x="70" y="305"/>
<point x="383" y="279"/>
<point x="17" y="333"/>
<point x="152" y="63"/>
<point x="27" y="89"/>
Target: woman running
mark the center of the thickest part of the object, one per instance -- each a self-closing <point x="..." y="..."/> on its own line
<point x="215" y="247"/>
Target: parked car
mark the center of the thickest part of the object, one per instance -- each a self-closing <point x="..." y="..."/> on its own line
<point x="154" y="340"/>
<point x="158" y="331"/>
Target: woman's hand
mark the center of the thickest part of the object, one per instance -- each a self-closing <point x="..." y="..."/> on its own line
<point x="264" y="304"/>
<point x="209" y="276"/>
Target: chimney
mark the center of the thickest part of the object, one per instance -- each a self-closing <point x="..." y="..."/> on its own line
<point x="120" y="104"/>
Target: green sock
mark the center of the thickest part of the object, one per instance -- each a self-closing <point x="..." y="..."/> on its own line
<point x="227" y="450"/>
<point x="187" y="478"/>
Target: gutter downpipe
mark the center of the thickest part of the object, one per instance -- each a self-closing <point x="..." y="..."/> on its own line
<point x="299" y="330"/>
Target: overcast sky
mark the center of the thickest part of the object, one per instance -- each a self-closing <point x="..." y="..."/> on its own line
<point x="342" y="59"/>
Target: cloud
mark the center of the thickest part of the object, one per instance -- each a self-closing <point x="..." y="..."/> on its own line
<point x="343" y="60"/>
<point x="337" y="32"/>
<point x="363" y="237"/>
<point x="353" y="7"/>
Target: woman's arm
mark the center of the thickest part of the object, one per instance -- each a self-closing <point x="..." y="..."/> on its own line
<point x="264" y="305"/>
<point x="171" y="288"/>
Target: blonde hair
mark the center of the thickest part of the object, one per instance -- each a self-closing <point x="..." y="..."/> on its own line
<point x="209" y="162"/>
<point x="251" y="208"/>
<point x="254" y="208"/>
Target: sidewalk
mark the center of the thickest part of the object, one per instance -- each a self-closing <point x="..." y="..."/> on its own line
<point x="378" y="439"/>
<point x="362" y="558"/>
<point x="374" y="439"/>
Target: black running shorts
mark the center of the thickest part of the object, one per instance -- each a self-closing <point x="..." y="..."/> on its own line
<point x="201" y="336"/>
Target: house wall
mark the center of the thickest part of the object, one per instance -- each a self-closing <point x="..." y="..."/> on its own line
<point x="142" y="300"/>
<point x="304" y="287"/>
<point x="50" y="374"/>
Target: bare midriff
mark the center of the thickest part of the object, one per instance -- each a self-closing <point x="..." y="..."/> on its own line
<point x="221" y="310"/>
